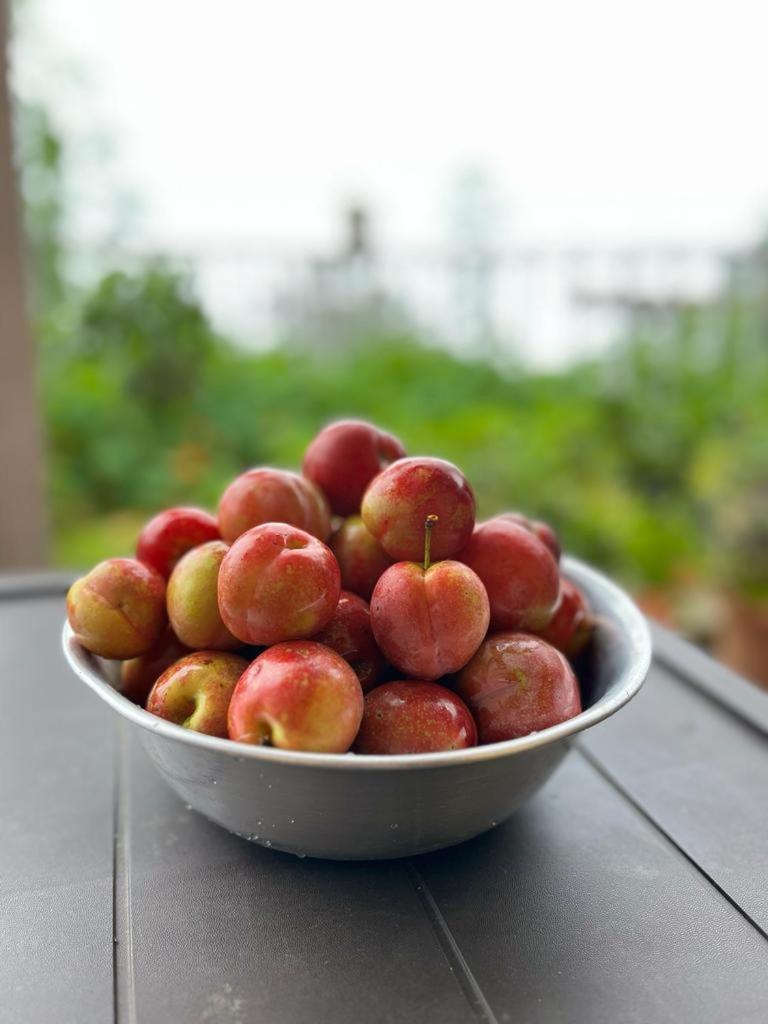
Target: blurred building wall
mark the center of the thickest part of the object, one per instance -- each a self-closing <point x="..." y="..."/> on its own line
<point x="22" y="512"/>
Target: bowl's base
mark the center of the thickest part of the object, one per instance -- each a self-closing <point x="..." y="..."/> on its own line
<point x="348" y="807"/>
<point x="342" y="815"/>
<point x="375" y="856"/>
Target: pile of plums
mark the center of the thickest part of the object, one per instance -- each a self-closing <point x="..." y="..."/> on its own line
<point x="255" y="624"/>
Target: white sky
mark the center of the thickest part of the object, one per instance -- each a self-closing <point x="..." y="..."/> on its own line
<point x="598" y="119"/>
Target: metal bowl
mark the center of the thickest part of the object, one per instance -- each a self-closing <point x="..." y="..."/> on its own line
<point x="360" y="807"/>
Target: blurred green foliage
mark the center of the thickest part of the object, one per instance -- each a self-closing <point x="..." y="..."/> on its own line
<point x="148" y="407"/>
<point x="40" y="157"/>
<point x="652" y="463"/>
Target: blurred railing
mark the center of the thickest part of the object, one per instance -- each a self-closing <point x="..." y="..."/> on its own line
<point x="544" y="306"/>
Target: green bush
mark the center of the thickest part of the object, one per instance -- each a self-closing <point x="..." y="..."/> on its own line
<point x="147" y="406"/>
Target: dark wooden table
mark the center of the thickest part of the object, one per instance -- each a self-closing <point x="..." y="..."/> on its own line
<point x="633" y="888"/>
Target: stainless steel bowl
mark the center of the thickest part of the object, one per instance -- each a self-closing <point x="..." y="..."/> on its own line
<point x="360" y="807"/>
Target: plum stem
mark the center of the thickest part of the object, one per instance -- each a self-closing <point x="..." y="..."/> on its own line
<point x="429" y="523"/>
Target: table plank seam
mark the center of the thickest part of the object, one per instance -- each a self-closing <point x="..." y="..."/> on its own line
<point x="674" y="655"/>
<point x="115" y="833"/>
<point x="457" y="964"/>
<point x="606" y="774"/>
<point x="122" y="912"/>
<point x="742" y="716"/>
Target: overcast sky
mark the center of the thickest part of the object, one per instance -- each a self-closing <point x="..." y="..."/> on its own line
<point x="597" y="119"/>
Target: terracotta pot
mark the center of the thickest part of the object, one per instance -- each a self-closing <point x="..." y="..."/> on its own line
<point x="743" y="642"/>
<point x="656" y="603"/>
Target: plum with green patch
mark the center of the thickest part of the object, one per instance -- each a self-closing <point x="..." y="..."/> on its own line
<point x="192" y="599"/>
<point x="117" y="610"/>
<point x="196" y="690"/>
<point x="277" y="583"/>
<point x="517" y="684"/>
<point x="297" y="696"/>
<point x="139" y="675"/>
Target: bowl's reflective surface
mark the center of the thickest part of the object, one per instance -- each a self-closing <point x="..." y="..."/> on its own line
<point x="348" y="806"/>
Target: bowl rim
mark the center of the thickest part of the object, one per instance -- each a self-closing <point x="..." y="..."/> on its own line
<point x="629" y="618"/>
